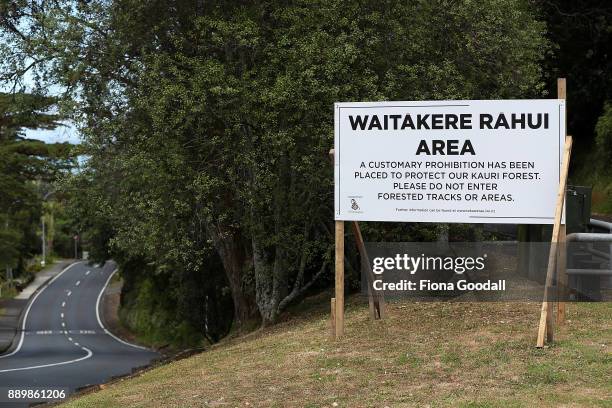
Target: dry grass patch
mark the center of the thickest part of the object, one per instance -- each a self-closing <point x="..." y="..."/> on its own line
<point x="423" y="354"/>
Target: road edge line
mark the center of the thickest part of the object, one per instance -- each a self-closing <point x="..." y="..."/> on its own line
<point x="100" y="320"/>
<point x="24" y="317"/>
<point x="89" y="354"/>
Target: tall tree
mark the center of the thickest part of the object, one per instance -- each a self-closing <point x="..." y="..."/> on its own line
<point x="208" y="123"/>
<point x="22" y="162"/>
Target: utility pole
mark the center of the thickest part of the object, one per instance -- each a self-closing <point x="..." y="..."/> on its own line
<point x="44" y="236"/>
<point x="9" y="269"/>
<point x="44" y="244"/>
<point x="76" y="240"/>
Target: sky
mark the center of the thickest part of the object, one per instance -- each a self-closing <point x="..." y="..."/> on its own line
<point x="61" y="134"/>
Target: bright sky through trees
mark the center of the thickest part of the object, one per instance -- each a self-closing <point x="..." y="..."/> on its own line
<point x="62" y="134"/>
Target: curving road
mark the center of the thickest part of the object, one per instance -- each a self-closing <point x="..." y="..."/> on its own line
<point x="64" y="344"/>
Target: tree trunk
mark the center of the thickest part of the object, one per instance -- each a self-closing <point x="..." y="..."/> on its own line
<point x="266" y="284"/>
<point x="229" y="244"/>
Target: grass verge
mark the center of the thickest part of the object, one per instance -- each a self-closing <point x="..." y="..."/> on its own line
<point x="423" y="354"/>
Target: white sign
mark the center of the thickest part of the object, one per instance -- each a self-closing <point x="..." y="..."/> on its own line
<point x="477" y="161"/>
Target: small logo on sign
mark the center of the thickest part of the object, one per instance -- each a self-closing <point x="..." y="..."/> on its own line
<point x="354" y="204"/>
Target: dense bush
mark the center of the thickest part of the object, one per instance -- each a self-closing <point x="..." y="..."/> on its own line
<point x="603" y="134"/>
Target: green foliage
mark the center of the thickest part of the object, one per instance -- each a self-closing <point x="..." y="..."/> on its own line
<point x="24" y="165"/>
<point x="603" y="134"/>
<point x="9" y="252"/>
<point x="147" y="312"/>
<point x="163" y="311"/>
<point x="581" y="33"/>
<point x="60" y="230"/>
<point x="207" y="126"/>
<point x="254" y="103"/>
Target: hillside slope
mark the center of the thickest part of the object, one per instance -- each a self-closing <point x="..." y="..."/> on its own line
<point x="423" y="354"/>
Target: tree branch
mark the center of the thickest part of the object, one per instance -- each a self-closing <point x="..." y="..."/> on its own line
<point x="296" y="293"/>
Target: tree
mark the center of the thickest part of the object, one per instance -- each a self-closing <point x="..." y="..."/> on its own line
<point x="207" y="124"/>
<point x="22" y="163"/>
<point x="581" y="33"/>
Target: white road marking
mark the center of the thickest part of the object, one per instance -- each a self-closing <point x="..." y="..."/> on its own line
<point x="63" y="304"/>
<point x="78" y="283"/>
<point x="87" y="273"/>
<point x="69" y="293"/>
<point x="100" y="320"/>
<point x="76" y="344"/>
<point x="89" y="354"/>
<point x="62" y="315"/>
<point x="63" y="324"/>
<point x="27" y="312"/>
<point x="88" y="351"/>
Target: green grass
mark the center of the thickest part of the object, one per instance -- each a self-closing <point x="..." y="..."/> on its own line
<point x="8" y="293"/>
<point x="116" y="278"/>
<point x="544" y="373"/>
<point x="425" y="354"/>
<point x="410" y="359"/>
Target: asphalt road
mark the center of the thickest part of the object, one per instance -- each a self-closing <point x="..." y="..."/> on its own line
<point x="64" y="344"/>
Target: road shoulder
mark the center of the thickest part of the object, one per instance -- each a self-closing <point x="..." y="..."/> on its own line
<point x="109" y="311"/>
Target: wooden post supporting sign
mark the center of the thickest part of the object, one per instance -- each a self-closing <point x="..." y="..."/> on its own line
<point x="339" y="318"/>
<point x="561" y="246"/>
<point x="376" y="302"/>
<point x="545" y="329"/>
